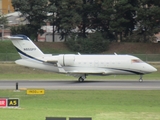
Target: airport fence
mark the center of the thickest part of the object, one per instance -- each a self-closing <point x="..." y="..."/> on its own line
<point x="144" y="57"/>
<point x="148" y="57"/>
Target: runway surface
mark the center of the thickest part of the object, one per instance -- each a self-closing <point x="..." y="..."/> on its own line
<point x="86" y="85"/>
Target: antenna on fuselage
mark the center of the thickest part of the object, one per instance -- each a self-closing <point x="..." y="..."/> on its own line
<point x="79" y="53"/>
<point x="115" y="53"/>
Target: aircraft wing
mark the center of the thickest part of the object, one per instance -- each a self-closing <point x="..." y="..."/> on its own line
<point x="83" y="73"/>
<point x="90" y="71"/>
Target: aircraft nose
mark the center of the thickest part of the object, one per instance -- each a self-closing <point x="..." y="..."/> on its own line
<point x="154" y="69"/>
<point x="151" y="69"/>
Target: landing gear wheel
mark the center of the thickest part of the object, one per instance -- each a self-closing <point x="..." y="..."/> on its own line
<point x="81" y="79"/>
<point x="140" y="79"/>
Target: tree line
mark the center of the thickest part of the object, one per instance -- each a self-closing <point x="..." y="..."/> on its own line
<point x="120" y="20"/>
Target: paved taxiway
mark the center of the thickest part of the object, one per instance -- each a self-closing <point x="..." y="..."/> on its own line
<point x="86" y="85"/>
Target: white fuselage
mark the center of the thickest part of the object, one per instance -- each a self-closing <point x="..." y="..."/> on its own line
<point x="91" y="64"/>
<point x="78" y="65"/>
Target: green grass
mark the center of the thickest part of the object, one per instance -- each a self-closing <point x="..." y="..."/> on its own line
<point x="100" y="105"/>
<point x="7" y="47"/>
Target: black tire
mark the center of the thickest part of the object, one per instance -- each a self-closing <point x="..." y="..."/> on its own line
<point x="80" y="79"/>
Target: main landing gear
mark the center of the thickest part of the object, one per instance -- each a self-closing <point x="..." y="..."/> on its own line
<point x="141" y="79"/>
<point x="82" y="78"/>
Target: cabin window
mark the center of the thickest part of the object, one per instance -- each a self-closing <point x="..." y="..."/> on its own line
<point x="136" y="61"/>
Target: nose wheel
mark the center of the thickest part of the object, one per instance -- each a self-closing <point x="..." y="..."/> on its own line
<point x="141" y="79"/>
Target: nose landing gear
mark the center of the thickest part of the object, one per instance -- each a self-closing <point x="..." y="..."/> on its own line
<point x="141" y="79"/>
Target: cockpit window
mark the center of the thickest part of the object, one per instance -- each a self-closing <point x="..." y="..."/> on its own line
<point x="136" y="61"/>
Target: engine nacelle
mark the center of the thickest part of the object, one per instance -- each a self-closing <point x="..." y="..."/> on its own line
<point x="66" y="60"/>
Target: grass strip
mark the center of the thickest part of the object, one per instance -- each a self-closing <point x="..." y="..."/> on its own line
<point x="100" y="105"/>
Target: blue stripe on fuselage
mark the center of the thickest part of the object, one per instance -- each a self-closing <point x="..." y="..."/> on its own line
<point x="135" y="72"/>
<point x="28" y="55"/>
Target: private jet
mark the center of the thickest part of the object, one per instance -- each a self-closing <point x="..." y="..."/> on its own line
<point x="78" y="65"/>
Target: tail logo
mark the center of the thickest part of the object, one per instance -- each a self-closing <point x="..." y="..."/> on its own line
<point x="29" y="49"/>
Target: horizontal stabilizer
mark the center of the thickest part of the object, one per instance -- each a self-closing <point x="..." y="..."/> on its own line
<point x="13" y="38"/>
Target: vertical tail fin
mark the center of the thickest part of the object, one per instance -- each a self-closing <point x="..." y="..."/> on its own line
<point x="25" y="47"/>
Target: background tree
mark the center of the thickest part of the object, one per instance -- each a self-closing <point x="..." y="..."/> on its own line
<point x="122" y="18"/>
<point x="103" y="17"/>
<point x="35" y="12"/>
<point x="3" y="21"/>
<point x="94" y="43"/>
<point x="22" y="29"/>
<point x="66" y="18"/>
<point x="148" y="17"/>
<point x="85" y="13"/>
<point x="115" y="19"/>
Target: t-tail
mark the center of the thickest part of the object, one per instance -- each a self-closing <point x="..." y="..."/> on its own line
<point x="31" y="55"/>
<point x="25" y="47"/>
